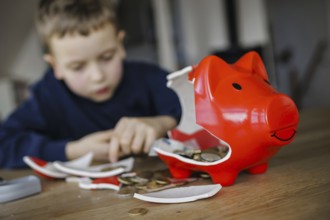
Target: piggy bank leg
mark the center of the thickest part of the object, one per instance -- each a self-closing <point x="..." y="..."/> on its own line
<point x="178" y="172"/>
<point x="261" y="168"/>
<point x="225" y="178"/>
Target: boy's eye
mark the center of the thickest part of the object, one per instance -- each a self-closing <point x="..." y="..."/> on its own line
<point x="107" y="57"/>
<point x="77" y="67"/>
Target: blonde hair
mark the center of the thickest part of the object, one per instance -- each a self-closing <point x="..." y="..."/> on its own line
<point x="62" y="17"/>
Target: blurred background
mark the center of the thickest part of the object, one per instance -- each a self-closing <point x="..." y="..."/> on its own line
<point x="292" y="36"/>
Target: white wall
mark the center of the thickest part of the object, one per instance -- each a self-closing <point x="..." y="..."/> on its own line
<point x="29" y="64"/>
<point x="203" y="28"/>
<point x="16" y="22"/>
<point x="7" y="98"/>
<point x="252" y="23"/>
<point x="298" y="26"/>
<point x="165" y="47"/>
<point x="21" y="56"/>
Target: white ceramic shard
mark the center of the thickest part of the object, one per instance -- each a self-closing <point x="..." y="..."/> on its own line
<point x="180" y="194"/>
<point x="48" y="169"/>
<point x="178" y="81"/>
<point x="96" y="171"/>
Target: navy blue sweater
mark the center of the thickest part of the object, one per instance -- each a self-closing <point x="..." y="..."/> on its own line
<point x="53" y="115"/>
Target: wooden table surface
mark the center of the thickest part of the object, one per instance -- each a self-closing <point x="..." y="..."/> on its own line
<point x="296" y="186"/>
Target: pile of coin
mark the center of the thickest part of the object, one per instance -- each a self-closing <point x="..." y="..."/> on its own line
<point x="149" y="181"/>
<point x="208" y="155"/>
<point x="144" y="182"/>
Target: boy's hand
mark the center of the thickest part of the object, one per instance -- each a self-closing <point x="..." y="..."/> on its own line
<point x="136" y="135"/>
<point x="97" y="142"/>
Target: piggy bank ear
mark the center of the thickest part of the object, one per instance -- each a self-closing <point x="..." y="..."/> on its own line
<point x="208" y="73"/>
<point x="252" y="62"/>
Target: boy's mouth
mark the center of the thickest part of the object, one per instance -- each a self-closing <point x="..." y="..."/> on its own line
<point x="102" y="91"/>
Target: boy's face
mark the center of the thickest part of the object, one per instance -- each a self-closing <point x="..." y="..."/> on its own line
<point x="91" y="66"/>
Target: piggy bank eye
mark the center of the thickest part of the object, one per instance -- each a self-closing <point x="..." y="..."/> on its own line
<point x="267" y="81"/>
<point x="237" y="86"/>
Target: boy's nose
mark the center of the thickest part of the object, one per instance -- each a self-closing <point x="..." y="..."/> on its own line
<point x="96" y="73"/>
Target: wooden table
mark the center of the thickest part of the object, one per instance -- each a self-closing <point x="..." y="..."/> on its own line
<point x="296" y="186"/>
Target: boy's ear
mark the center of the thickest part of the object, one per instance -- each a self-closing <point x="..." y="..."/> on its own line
<point x="51" y="61"/>
<point x="121" y="37"/>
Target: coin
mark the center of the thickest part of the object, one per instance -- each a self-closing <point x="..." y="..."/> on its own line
<point x="139" y="180"/>
<point x="126" y="191"/>
<point x="210" y="157"/>
<point x="222" y="149"/>
<point x="197" y="157"/>
<point x="152" y="185"/>
<point x="183" y="153"/>
<point x="162" y="182"/>
<point x="141" y="186"/>
<point x="125" y="180"/>
<point x="211" y="150"/>
<point x="222" y="155"/>
<point x="204" y="175"/>
<point x="137" y="211"/>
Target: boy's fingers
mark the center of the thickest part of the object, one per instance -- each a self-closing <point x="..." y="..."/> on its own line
<point x="150" y="138"/>
<point x="103" y="135"/>
<point x="114" y="149"/>
<point x="120" y="126"/>
<point x="137" y="143"/>
<point x="124" y="137"/>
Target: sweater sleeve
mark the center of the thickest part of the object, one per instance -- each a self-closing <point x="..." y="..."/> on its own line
<point x="24" y="133"/>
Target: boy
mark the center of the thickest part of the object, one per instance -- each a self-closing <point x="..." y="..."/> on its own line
<point x="91" y="99"/>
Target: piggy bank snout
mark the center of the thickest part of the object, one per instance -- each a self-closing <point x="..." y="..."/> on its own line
<point x="281" y="113"/>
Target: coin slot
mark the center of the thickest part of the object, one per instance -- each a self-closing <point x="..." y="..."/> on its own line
<point x="237" y="86"/>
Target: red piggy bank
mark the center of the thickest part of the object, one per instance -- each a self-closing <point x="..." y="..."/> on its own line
<point x="234" y="105"/>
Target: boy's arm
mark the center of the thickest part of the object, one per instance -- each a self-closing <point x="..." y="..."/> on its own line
<point x="24" y="133"/>
<point x="97" y="143"/>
